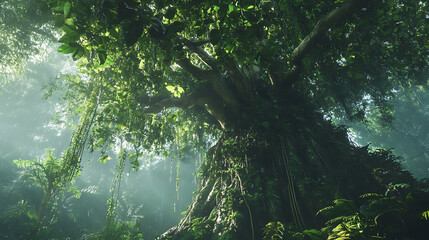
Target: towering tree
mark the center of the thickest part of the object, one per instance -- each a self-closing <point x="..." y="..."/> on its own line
<point x="265" y="75"/>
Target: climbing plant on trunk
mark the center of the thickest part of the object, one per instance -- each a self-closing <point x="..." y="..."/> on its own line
<point x="46" y="173"/>
<point x="266" y="76"/>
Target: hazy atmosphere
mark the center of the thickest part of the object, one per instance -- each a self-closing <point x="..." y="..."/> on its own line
<point x="187" y="120"/>
<point x="31" y="122"/>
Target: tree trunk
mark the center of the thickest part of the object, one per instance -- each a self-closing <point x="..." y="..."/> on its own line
<point x="44" y="205"/>
<point x="282" y="169"/>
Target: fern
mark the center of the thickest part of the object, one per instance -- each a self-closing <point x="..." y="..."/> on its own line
<point x="273" y="231"/>
<point x="425" y="215"/>
<point x="370" y="195"/>
<point x="21" y="163"/>
<point x="337" y="220"/>
<point x="326" y="211"/>
<point x="383" y="205"/>
<point x="314" y="234"/>
<point x="341" y="207"/>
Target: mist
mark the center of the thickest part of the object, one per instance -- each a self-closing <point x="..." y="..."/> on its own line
<point x="213" y="120"/>
<point x="32" y="119"/>
<point x="404" y="130"/>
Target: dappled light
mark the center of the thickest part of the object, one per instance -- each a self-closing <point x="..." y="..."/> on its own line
<point x="182" y="120"/>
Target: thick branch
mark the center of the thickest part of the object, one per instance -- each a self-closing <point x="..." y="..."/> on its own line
<point x="239" y="79"/>
<point x="194" y="43"/>
<point x="203" y="97"/>
<point x="204" y="56"/>
<point x="195" y="46"/>
<point x="197" y="72"/>
<point x="148" y="100"/>
<point x="185" y="102"/>
<point x="214" y="78"/>
<point x="207" y="59"/>
<point x="237" y="76"/>
<point x="323" y="25"/>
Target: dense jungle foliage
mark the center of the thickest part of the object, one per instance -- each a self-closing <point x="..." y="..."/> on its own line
<point x="256" y="87"/>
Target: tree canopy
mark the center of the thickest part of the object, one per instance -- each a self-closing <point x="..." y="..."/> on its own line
<point x="25" y="27"/>
<point x="226" y="56"/>
<point x="261" y="77"/>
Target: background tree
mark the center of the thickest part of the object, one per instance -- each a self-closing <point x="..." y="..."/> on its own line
<point x="27" y="128"/>
<point x="405" y="131"/>
<point x="47" y="174"/>
<point x="264" y="74"/>
<point x="24" y="27"/>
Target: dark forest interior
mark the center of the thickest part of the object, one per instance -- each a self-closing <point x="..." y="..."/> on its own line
<point x="217" y="119"/>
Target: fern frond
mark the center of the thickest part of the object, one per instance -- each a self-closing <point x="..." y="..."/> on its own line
<point x="425" y="215"/>
<point x="20" y="163"/>
<point x="371" y="195"/>
<point x="314" y="234"/>
<point x="336" y="220"/>
<point x="341" y="207"/>
<point x="326" y="211"/>
<point x="347" y="207"/>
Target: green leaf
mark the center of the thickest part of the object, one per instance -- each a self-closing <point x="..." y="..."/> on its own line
<point x="59" y="20"/>
<point x="109" y="62"/>
<point x="325" y="211"/>
<point x="31" y="214"/>
<point x="69" y="21"/>
<point x="314" y="234"/>
<point x="66" y="49"/>
<point x="104" y="158"/>
<point x="69" y="29"/>
<point x="230" y="9"/>
<point x="180" y="89"/>
<point x="59" y="8"/>
<point x="171" y="88"/>
<point x="77" y="194"/>
<point x="69" y="37"/>
<point x="78" y="53"/>
<point x="371" y="195"/>
<point x="425" y="215"/>
<point x="136" y="164"/>
<point x="23" y="163"/>
<point x="67" y="7"/>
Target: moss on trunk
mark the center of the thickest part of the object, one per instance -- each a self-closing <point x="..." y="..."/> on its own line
<point x="283" y="170"/>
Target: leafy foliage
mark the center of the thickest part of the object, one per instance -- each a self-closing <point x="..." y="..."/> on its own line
<point x="145" y="69"/>
<point x="425" y="215"/>
<point x="120" y="231"/>
<point x="24" y="30"/>
<point x="407" y="122"/>
<point x="47" y="173"/>
<point x="162" y="76"/>
<point x="379" y="217"/>
<point x="273" y="230"/>
<point x="20" y="209"/>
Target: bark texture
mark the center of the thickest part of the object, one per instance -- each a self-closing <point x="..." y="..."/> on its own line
<point x="284" y="172"/>
<point x="278" y="160"/>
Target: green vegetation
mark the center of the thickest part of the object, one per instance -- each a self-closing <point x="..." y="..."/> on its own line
<point x="123" y="230"/>
<point x="404" y="131"/>
<point x="256" y="86"/>
<point x="47" y="173"/>
<point x="24" y="30"/>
